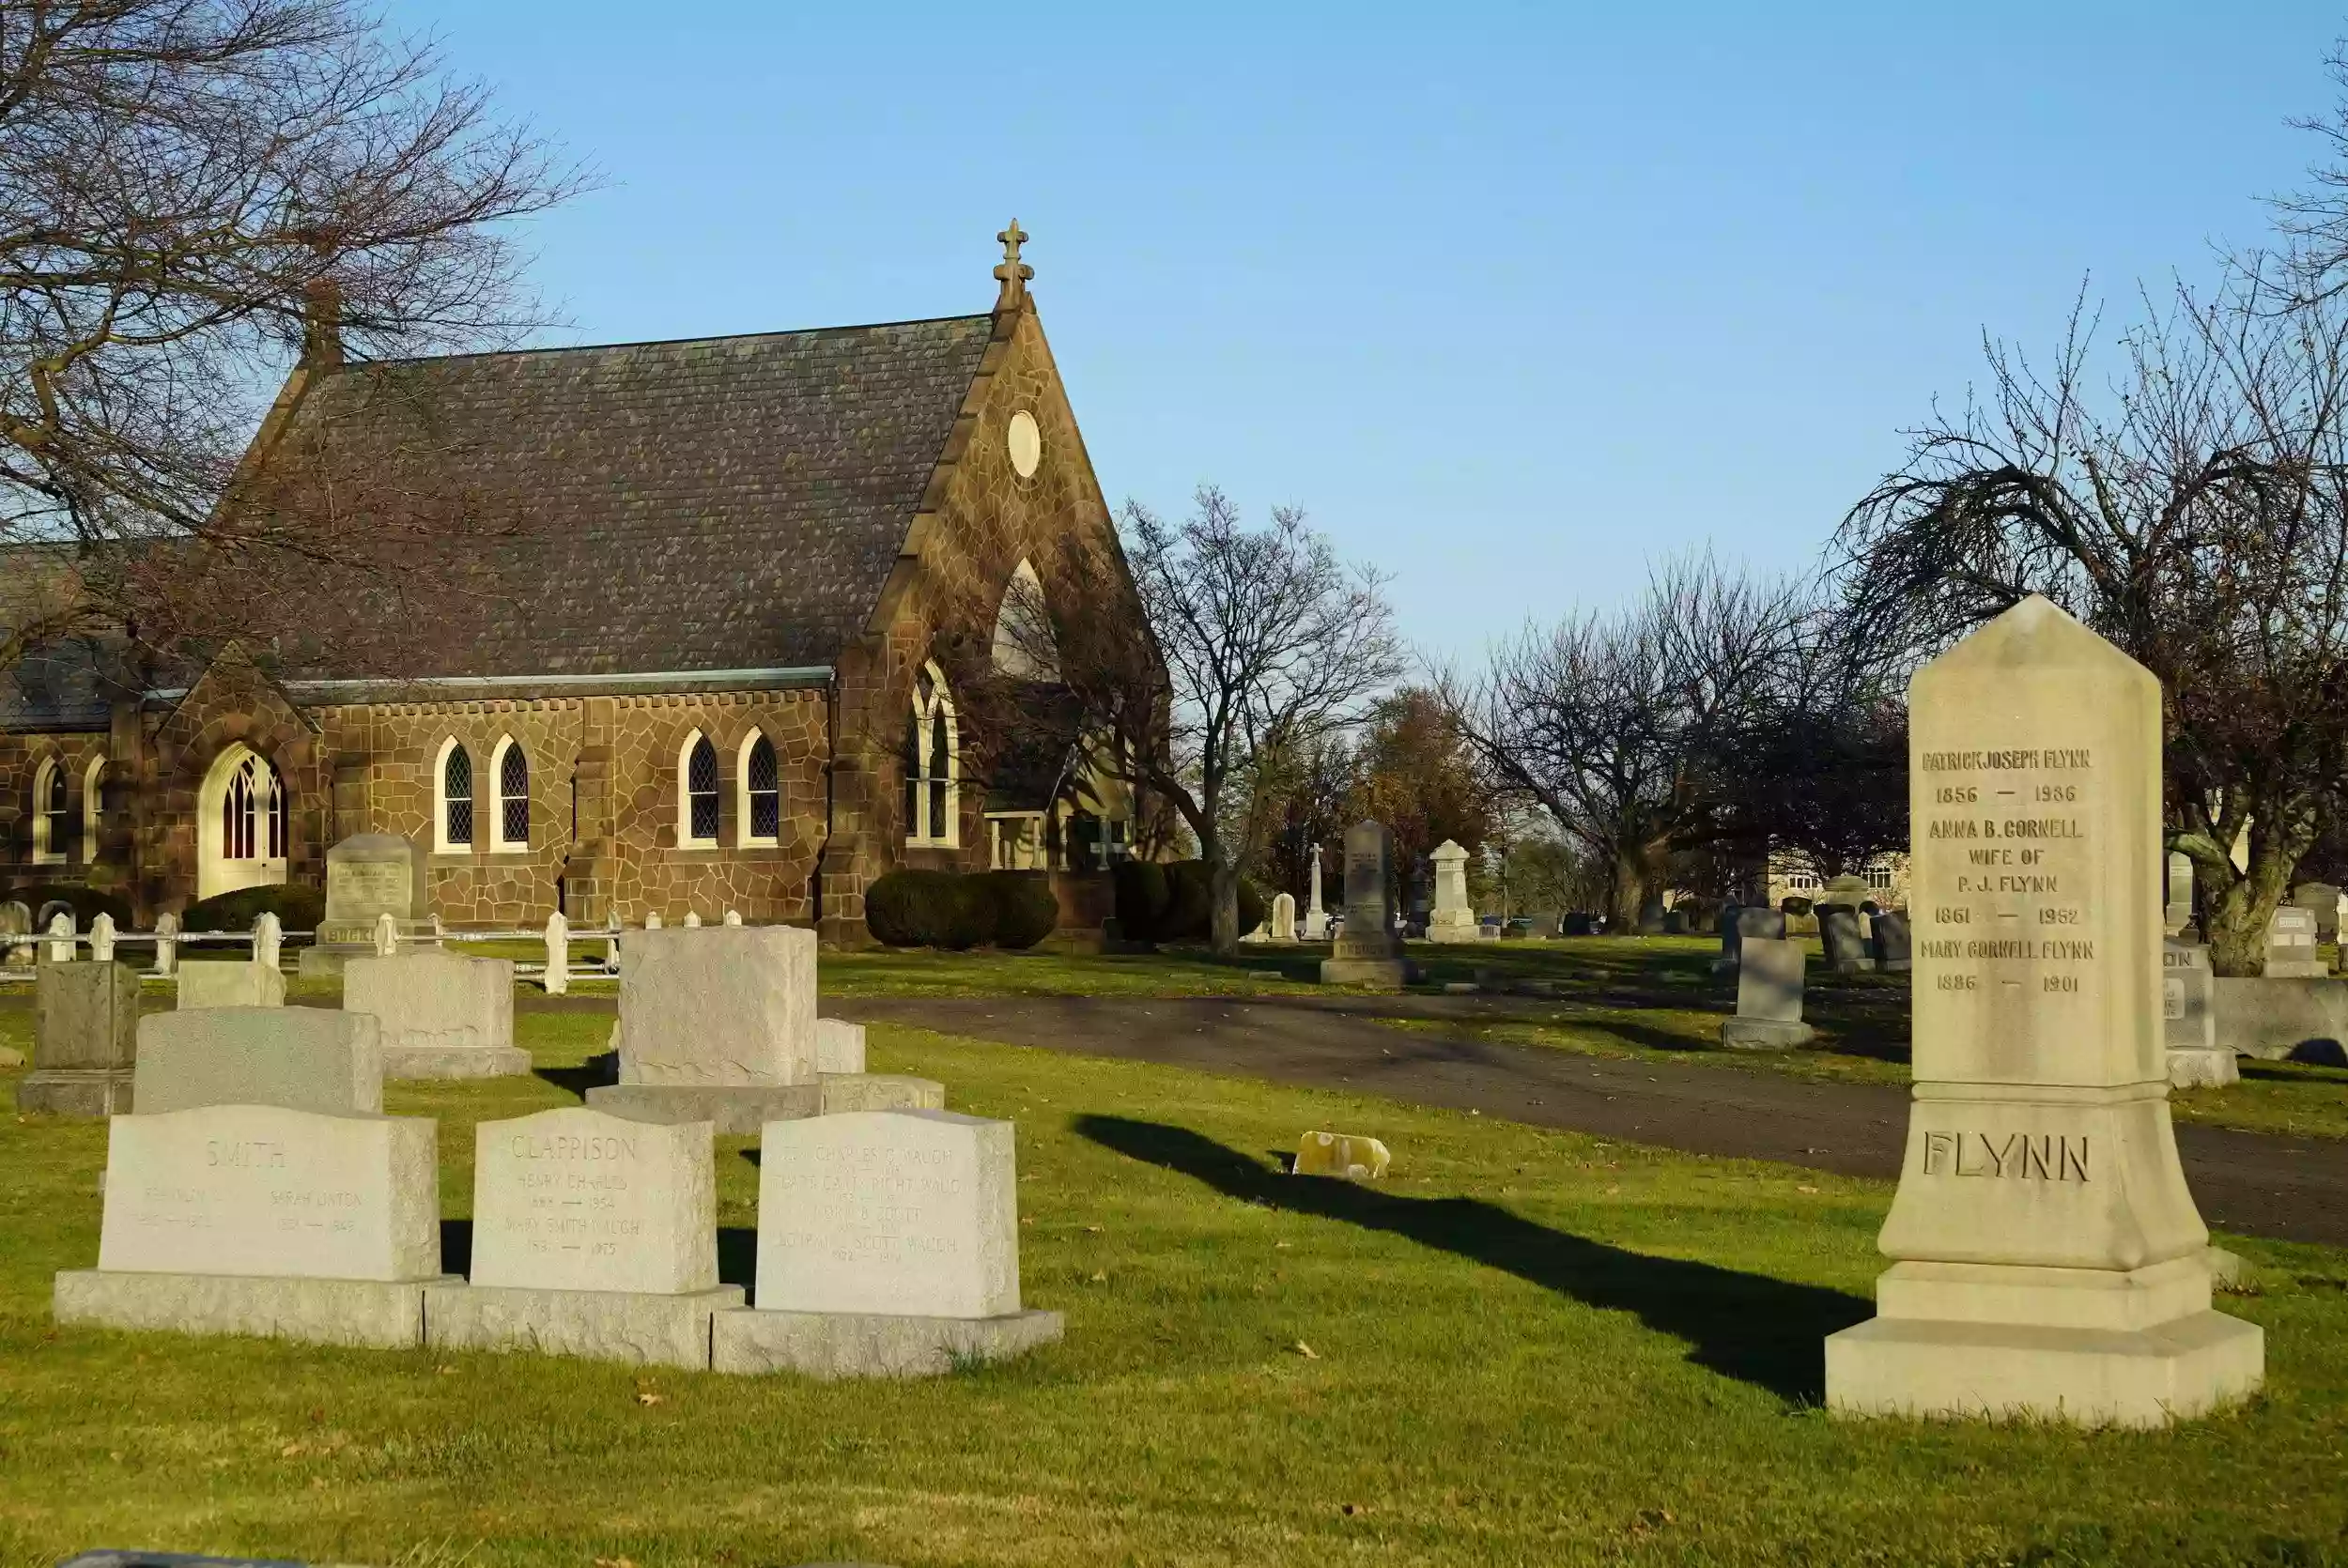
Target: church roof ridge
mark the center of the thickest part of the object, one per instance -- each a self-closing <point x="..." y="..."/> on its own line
<point x="959" y="317"/>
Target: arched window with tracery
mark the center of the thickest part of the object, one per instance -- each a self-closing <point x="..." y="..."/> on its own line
<point x="253" y="813"/>
<point x="760" y="808"/>
<point x="93" y="810"/>
<point x="697" y="792"/>
<point x="509" y="828"/>
<point x="452" y="821"/>
<point x="931" y="764"/>
<point x="49" y="813"/>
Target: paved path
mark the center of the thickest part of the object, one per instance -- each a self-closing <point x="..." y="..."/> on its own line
<point x="2252" y="1183"/>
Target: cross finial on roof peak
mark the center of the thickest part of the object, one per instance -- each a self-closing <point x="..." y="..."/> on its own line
<point x="1012" y="273"/>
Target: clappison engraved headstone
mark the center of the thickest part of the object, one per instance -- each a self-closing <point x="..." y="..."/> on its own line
<point x="2048" y="1258"/>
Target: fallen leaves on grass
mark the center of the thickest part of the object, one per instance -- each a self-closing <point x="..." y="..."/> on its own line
<point x="1812" y="1190"/>
<point x="650" y="1396"/>
<point x="1305" y="1350"/>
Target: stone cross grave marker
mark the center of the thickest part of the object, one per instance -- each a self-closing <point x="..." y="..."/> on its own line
<point x="2048" y="1258"/>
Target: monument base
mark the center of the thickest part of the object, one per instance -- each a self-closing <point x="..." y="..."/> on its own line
<point x="65" y="1092"/>
<point x="381" y="1313"/>
<point x="601" y="1325"/>
<point x="2095" y="1347"/>
<point x="2202" y="1067"/>
<point x="831" y="1344"/>
<point x="1466" y="931"/>
<point x="1382" y="973"/>
<point x="325" y="961"/>
<point x="2297" y="968"/>
<point x="880" y="1091"/>
<point x="741" y="1109"/>
<point x="456" y="1061"/>
<point x="1766" y="1034"/>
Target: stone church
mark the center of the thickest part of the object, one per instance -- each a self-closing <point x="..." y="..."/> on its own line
<point x="703" y="676"/>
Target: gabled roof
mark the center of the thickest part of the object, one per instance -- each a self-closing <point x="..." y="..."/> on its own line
<point x="711" y="504"/>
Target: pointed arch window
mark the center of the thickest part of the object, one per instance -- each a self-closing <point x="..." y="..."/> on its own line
<point x="253" y="813"/>
<point x="49" y="813"/>
<point x="759" y="807"/>
<point x="509" y="825"/>
<point x="697" y="792"/>
<point x="931" y="764"/>
<point x="452" y="821"/>
<point x="93" y="810"/>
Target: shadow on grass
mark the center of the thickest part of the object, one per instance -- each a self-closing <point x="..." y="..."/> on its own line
<point x="1748" y="1327"/>
<point x="575" y="1081"/>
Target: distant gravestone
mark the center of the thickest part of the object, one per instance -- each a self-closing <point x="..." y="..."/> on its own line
<point x="2291" y="947"/>
<point x="1768" y="997"/>
<point x="1890" y="942"/>
<point x="1453" y="917"/>
<point x="1838" y="933"/>
<point x="300" y="1058"/>
<point x="442" y="1014"/>
<point x="2321" y="899"/>
<point x="1651" y="916"/>
<point x="2048" y="1258"/>
<point x="1579" y="923"/>
<point x="85" y="1039"/>
<point x="1283" y="921"/>
<point x="1367" y="952"/>
<point x="889" y="1243"/>
<point x="16" y="925"/>
<point x="261" y="1219"/>
<point x="592" y="1235"/>
<point x="230" y="983"/>
<point x="1316" y="925"/>
<point x="2176" y="910"/>
<point x="369" y="875"/>
<point x="839" y="1046"/>
<point x="2189" y="1022"/>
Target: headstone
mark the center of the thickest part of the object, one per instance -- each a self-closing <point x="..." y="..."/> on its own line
<point x="1348" y="1156"/>
<point x="1890" y="942"/>
<point x="101" y="938"/>
<point x="369" y="876"/>
<point x="85" y="1039"/>
<point x="61" y="942"/>
<point x="1284" y="918"/>
<point x="1848" y="890"/>
<point x="443" y="1015"/>
<point x="16" y="924"/>
<point x="1770" y="971"/>
<point x="300" y="1058"/>
<point x="230" y="983"/>
<point x="2189" y="1020"/>
<point x="1453" y="918"/>
<point x="166" y="943"/>
<point x="1368" y="953"/>
<point x="1741" y="921"/>
<point x="2321" y="899"/>
<point x="1651" y="922"/>
<point x="1315" y="927"/>
<point x="839" y="1046"/>
<point x="2048" y="1260"/>
<point x="1839" y="934"/>
<point x="592" y="1237"/>
<point x="2291" y="947"/>
<point x="261" y="1219"/>
<point x="558" y="975"/>
<point x="1580" y="923"/>
<point x="268" y="940"/>
<point x="2177" y="908"/>
<point x="1674" y="923"/>
<point x="889" y="1243"/>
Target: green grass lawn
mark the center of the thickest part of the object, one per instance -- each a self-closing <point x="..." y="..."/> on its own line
<point x="1528" y="1347"/>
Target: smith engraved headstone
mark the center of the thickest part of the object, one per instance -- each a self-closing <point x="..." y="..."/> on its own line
<point x="2047" y="1257"/>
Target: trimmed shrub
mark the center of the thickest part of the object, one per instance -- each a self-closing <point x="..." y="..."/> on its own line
<point x="1142" y="896"/>
<point x="929" y="908"/>
<point x="1025" y="912"/>
<point x="1190" y="904"/>
<point x="87" y="903"/>
<point x="297" y="907"/>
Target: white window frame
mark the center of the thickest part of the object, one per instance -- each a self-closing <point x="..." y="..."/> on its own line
<point x="45" y="852"/>
<point x="441" y="843"/>
<point x="743" y="836"/>
<point x="93" y="807"/>
<point x="499" y="842"/>
<point x="920" y="831"/>
<point x="684" y="838"/>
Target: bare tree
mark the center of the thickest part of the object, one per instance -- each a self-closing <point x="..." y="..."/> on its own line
<point x="1618" y="726"/>
<point x="1416" y="773"/>
<point x="1253" y="650"/>
<point x="1312" y="818"/>
<point x="2196" y="514"/>
<point x="192" y="192"/>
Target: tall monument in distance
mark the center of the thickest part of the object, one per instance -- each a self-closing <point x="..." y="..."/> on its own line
<point x="1367" y="952"/>
<point x="2047" y="1256"/>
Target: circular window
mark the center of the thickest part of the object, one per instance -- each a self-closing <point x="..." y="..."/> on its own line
<point x="1026" y="444"/>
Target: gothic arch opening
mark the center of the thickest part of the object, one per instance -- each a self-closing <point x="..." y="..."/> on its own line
<point x="243" y="822"/>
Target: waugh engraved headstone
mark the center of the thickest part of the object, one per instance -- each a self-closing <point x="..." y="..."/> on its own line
<point x="2047" y="1257"/>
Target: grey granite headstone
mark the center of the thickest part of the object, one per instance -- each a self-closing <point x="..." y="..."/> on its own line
<point x="369" y="874"/>
<point x="2291" y="953"/>
<point x="2188" y="991"/>
<point x="1845" y="945"/>
<point x="301" y="1058"/>
<point x="1768" y="997"/>
<point x="1367" y="952"/>
<point x="1890" y="939"/>
<point x="85" y="1039"/>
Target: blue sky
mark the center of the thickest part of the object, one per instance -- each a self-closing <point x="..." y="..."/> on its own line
<point x="1512" y="298"/>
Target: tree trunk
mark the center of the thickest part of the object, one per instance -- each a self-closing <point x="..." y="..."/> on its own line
<point x="1625" y="893"/>
<point x="1223" y="904"/>
<point x="2237" y="906"/>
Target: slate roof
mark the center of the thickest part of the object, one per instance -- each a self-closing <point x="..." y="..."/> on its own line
<point x="712" y="504"/>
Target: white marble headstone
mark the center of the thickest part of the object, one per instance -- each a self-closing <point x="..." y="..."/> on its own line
<point x="574" y="1199"/>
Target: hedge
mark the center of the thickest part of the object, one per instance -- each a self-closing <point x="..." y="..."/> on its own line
<point x="1141" y="899"/>
<point x="297" y="907"/>
<point x="1024" y="910"/>
<point x="87" y="903"/>
<point x="1189" y="911"/>
<point x="927" y="909"/>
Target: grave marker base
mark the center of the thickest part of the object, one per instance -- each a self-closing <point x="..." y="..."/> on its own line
<point x="2297" y="968"/>
<point x="738" y="1109"/>
<point x="456" y="1061"/>
<point x="636" y="1327"/>
<point x="2199" y="1068"/>
<point x="880" y="1091"/>
<point x="1766" y="1034"/>
<point x="1382" y="973"/>
<point x="871" y="1344"/>
<point x="67" y="1093"/>
<point x="383" y="1314"/>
